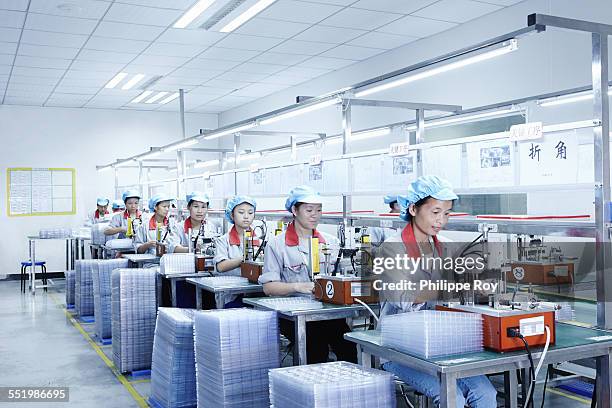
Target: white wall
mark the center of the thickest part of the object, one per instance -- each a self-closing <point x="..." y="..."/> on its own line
<point x="81" y="139"/>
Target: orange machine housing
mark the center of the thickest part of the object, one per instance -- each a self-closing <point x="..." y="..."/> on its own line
<point x="496" y="322"/>
<point x="251" y="270"/>
<point x="540" y="273"/>
<point x="343" y="290"/>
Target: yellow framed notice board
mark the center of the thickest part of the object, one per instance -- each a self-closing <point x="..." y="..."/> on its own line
<point x="40" y="191"/>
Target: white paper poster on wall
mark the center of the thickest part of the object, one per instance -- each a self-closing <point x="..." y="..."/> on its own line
<point x="551" y="160"/>
<point x="36" y="191"/>
<point x="399" y="171"/>
<point x="444" y="162"/>
<point x="256" y="182"/>
<point x="336" y="178"/>
<point x="291" y="177"/>
<point x="367" y="173"/>
<point x="272" y="181"/>
<point x="490" y="164"/>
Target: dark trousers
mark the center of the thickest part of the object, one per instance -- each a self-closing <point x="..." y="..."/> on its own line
<point x="321" y="335"/>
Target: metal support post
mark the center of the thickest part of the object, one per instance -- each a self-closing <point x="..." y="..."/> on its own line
<point x="346" y="136"/>
<point x="419" y="138"/>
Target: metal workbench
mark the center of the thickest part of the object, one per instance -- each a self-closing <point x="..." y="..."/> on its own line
<point x="220" y="291"/>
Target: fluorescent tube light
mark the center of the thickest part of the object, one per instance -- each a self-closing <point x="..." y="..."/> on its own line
<point x="300" y="111"/>
<point x="180" y="145"/>
<point x="157" y="97"/>
<point x="215" y="135"/>
<point x="247" y="15"/>
<point x="193" y="13"/>
<point x="142" y="96"/>
<point x="202" y="164"/>
<point x="115" y="81"/>
<point x="506" y="47"/>
<point x="367" y="134"/>
<point x="562" y="100"/>
<point x="152" y="153"/>
<point x="169" y="99"/>
<point x="249" y="156"/>
<point x="135" y="79"/>
<point x="332" y="140"/>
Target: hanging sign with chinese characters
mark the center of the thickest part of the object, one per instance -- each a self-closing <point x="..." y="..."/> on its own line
<point x="551" y="160"/>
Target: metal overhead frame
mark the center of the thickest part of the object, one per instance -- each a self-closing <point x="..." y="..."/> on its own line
<point x="403" y="105"/>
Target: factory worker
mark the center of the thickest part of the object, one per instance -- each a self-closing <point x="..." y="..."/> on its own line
<point x="158" y="228"/>
<point x="101" y="214"/>
<point x="118" y="206"/>
<point x="240" y="211"/>
<point x="285" y="272"/>
<point x="196" y="225"/>
<point x="128" y="221"/>
<point x="378" y="235"/>
<point x="426" y="207"/>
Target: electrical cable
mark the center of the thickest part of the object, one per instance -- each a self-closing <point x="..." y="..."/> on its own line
<point x="542" y="356"/>
<point x="528" y="399"/>
<point x="544" y="389"/>
<point x="367" y="307"/>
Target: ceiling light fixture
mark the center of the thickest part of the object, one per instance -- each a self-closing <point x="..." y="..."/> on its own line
<point x="247" y="15"/>
<point x="154" y="152"/>
<point x="181" y="145"/>
<point x="464" y="118"/>
<point x="193" y="13"/>
<point x="140" y="97"/>
<point x="156" y="97"/>
<point x="135" y="79"/>
<point x="367" y="134"/>
<point x="169" y="99"/>
<point x="562" y="100"/>
<point x="301" y="111"/>
<point x="201" y="164"/>
<point x="217" y="134"/>
<point x="116" y="79"/>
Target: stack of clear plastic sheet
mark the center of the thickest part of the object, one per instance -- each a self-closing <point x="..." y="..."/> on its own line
<point x="234" y="350"/>
<point x="173" y="377"/>
<point x="97" y="233"/>
<point x="101" y="277"/>
<point x="331" y="385"/>
<point x="430" y="333"/>
<point x="292" y="303"/>
<point x="54" y="233"/>
<point x="133" y="312"/>
<point x="70" y="275"/>
<point x="223" y="280"/>
<point x="177" y="263"/>
<point x="83" y="287"/>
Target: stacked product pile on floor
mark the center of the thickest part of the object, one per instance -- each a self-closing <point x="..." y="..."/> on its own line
<point x="170" y="264"/>
<point x="83" y="287"/>
<point x="234" y="350"/>
<point x="331" y="385"/>
<point x="173" y="377"/>
<point x="69" y="287"/>
<point x="101" y="277"/>
<point x="133" y="311"/>
<point x="431" y="333"/>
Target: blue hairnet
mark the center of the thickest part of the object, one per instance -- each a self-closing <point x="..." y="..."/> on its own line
<point x="235" y="202"/>
<point x="118" y="204"/>
<point x="197" y="196"/>
<point x="302" y="194"/>
<point x="390" y="198"/>
<point x="130" y="194"/>
<point x="423" y="187"/>
<point x="102" y="201"/>
<point x="158" y="198"/>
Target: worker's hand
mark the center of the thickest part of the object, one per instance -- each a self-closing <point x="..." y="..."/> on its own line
<point x="304" y="287"/>
<point x="151" y="244"/>
<point x="124" y="230"/>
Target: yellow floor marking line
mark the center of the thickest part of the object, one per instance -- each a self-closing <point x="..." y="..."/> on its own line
<point x="570" y="396"/>
<point x="140" y="381"/>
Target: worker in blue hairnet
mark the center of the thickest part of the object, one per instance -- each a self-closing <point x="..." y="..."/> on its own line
<point x="426" y="207"/>
<point x="286" y="272"/>
<point x="126" y="223"/>
<point x="159" y="230"/>
<point x="101" y="214"/>
<point x="378" y="235"/>
<point x="118" y="206"/>
<point x="196" y="228"/>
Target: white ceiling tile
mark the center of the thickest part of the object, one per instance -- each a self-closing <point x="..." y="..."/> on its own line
<point x="9" y="18"/>
<point x="8" y="48"/>
<point x="299" y="11"/>
<point x="76" y="89"/>
<point x="334" y="2"/>
<point x="38" y="72"/>
<point x="117" y="45"/>
<point x="92" y="9"/>
<point x="9" y="34"/>
<point x="304" y="72"/>
<point x="193" y="100"/>
<point x="126" y="13"/>
<point x="190" y="36"/>
<point x="279" y="58"/>
<point x="65" y="103"/>
<point x="106" y="56"/>
<point x="207" y="90"/>
<point x="352" y="52"/>
<point x="271" y="28"/>
<point x="148" y="69"/>
<point x="241" y="76"/>
<point x="103" y="104"/>
<point x="375" y="39"/>
<point x="55" y="39"/>
<point x="393" y="6"/>
<point x="127" y="31"/>
<point x="281" y="79"/>
<point x="47" y="51"/>
<point x="5" y="69"/>
<point x="38" y="62"/>
<point x="80" y="65"/>
<point x="335" y="35"/>
<point x="326" y="63"/>
<point x="360" y="19"/>
<point x="6" y="59"/>
<point x="259" y="90"/>
<point x="256" y="68"/>
<point x="248" y="42"/>
<point x="17" y="87"/>
<point x="174" y="82"/>
<point x="20" y="79"/>
<point x="210" y="64"/>
<point x="201" y="74"/>
<point x="231" y="101"/>
<point x="458" y="11"/>
<point x="224" y="84"/>
<point x="27" y="94"/>
<point x="504" y="2"/>
<point x="59" y="24"/>
<point x="174" y="4"/>
<point x="160" y="60"/>
<point x="302" y="47"/>
<point x="23" y="101"/>
<point x="174" y="50"/>
<point x="89" y="75"/>
<point x="120" y="93"/>
<point x="228" y="54"/>
<point x="207" y="109"/>
<point x="84" y="83"/>
<point x="416" y="27"/>
<point x="16" y="5"/>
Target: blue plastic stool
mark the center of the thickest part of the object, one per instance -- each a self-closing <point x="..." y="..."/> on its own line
<point x="24" y="268"/>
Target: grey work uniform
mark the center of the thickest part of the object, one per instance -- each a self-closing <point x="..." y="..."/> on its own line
<point x="120" y="220"/>
<point x="145" y="233"/>
<point x="228" y="246"/>
<point x="211" y="230"/>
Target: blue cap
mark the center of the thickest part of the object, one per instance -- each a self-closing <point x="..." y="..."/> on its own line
<point x="118" y="204"/>
<point x="390" y="198"/>
<point x="197" y="196"/>
<point x="130" y="194"/>
<point x="303" y="194"/>
<point x="102" y="201"/>
<point x="235" y="202"/>
<point x="423" y="187"/>
<point x="158" y="198"/>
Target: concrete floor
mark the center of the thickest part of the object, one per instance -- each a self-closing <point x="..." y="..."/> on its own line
<point x="41" y="346"/>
